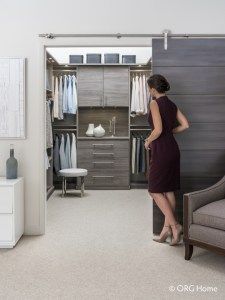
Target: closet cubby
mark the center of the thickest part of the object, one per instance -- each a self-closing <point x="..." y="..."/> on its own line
<point x="99" y="115"/>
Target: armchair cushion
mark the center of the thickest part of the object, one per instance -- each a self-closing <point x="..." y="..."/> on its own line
<point x="211" y="215"/>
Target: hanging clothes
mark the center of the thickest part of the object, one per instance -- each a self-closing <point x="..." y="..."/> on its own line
<point x="60" y="99"/>
<point x="49" y="139"/>
<point x="145" y="98"/>
<point x="69" y="94"/>
<point x="133" y="154"/>
<point x="56" y="99"/>
<point x="68" y="151"/>
<point x="139" y="95"/>
<point x="139" y="158"/>
<point x="65" y="94"/>
<point x="47" y="163"/>
<point x="73" y="152"/>
<point x="63" y="160"/>
<point x="133" y="108"/>
<point x="73" y="108"/>
<point x="56" y="157"/>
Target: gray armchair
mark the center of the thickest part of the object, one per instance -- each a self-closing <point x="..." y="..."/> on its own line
<point x="204" y="219"/>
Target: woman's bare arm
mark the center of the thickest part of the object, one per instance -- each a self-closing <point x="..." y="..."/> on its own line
<point x="157" y="122"/>
<point x="183" y="122"/>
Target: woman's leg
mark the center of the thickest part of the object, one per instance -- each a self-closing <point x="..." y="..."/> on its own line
<point x="164" y="205"/>
<point x="170" y="196"/>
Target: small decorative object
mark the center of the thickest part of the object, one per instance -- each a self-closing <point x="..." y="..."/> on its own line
<point x="11" y="165"/>
<point x="90" y="130"/>
<point x="99" y="131"/>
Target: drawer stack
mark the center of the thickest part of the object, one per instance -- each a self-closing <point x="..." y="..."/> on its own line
<point x="107" y="162"/>
<point x="11" y="211"/>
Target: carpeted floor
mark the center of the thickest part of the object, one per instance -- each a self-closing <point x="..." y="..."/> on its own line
<point x="100" y="247"/>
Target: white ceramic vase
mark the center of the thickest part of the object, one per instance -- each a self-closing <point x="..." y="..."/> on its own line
<point x="90" y="130"/>
<point x="99" y="131"/>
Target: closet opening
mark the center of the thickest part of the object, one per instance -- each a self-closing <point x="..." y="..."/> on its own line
<point x="96" y="117"/>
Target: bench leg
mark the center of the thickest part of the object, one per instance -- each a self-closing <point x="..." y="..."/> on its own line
<point x="82" y="186"/>
<point x="65" y="186"/>
<point x="62" y="187"/>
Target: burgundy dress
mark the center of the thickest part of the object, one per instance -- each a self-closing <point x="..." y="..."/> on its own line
<point x="164" y="171"/>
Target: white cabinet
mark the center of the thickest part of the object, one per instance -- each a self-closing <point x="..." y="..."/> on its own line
<point x="11" y="211"/>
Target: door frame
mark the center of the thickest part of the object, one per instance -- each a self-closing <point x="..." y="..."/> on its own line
<point x="63" y="43"/>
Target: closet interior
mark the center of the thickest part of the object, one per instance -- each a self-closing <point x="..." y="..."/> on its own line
<point x="111" y="95"/>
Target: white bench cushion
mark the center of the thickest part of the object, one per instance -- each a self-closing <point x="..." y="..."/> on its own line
<point x="73" y="172"/>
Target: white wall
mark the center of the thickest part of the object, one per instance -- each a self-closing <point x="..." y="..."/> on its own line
<point x="22" y="21"/>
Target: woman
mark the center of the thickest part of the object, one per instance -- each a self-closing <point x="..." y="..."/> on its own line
<point x="164" y="172"/>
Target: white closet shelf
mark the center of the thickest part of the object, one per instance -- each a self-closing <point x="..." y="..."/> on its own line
<point x="104" y="138"/>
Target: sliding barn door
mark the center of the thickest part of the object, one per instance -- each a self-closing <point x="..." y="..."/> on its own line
<point x="195" y="69"/>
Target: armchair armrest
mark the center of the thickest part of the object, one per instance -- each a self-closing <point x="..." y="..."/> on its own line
<point x="194" y="200"/>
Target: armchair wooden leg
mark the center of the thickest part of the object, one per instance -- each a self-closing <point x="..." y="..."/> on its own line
<point x="188" y="251"/>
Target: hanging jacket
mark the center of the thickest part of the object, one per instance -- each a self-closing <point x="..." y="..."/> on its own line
<point x="137" y="94"/>
<point x="56" y="157"/>
<point x="56" y="99"/>
<point x="73" y="110"/>
<point x="69" y="95"/>
<point x="60" y="101"/>
<point x="65" y="94"/>
<point x="133" y="109"/>
<point x="73" y="152"/>
<point x="138" y="149"/>
<point x="63" y="161"/>
<point x="141" y="96"/>
<point x="145" y="97"/>
<point x="133" y="154"/>
<point x="68" y="151"/>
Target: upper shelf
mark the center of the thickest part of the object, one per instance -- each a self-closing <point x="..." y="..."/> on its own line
<point x="119" y="64"/>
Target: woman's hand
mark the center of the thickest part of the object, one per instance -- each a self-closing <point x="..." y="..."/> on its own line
<point x="147" y="144"/>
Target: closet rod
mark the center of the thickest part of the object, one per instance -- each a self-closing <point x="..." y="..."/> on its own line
<point x="60" y="70"/>
<point x="141" y="71"/>
<point x="140" y="129"/>
<point x="63" y="129"/>
<point x="125" y="35"/>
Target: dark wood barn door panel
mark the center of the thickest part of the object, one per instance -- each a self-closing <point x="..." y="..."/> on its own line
<point x="195" y="69"/>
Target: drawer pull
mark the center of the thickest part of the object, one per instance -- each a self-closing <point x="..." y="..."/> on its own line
<point x="103" y="176"/>
<point x="103" y="162"/>
<point x="103" y="145"/>
<point x="105" y="154"/>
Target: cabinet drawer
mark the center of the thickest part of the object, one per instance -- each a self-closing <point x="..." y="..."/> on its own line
<point x="106" y="180"/>
<point x="115" y="166"/>
<point x="106" y="149"/>
<point x="6" y="227"/>
<point x="6" y="200"/>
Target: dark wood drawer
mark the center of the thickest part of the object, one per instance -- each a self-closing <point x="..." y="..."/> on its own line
<point x="117" y="165"/>
<point x="102" y="149"/>
<point x="106" y="180"/>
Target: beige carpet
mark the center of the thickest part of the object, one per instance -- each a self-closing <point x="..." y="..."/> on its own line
<point x="100" y="247"/>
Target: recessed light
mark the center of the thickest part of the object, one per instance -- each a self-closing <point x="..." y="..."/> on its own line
<point x="66" y="65"/>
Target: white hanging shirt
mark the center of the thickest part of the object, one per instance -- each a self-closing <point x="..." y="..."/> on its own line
<point x="56" y="99"/>
<point x="73" y="152"/>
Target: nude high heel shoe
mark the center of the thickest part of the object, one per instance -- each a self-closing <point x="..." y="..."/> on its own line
<point x="165" y="235"/>
<point x="178" y="238"/>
